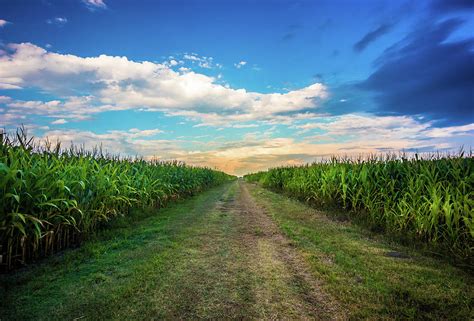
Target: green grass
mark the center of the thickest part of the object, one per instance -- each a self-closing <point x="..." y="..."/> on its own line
<point x="159" y="266"/>
<point x="355" y="267"/>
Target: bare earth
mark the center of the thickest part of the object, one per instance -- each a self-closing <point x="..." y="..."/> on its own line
<point x="287" y="290"/>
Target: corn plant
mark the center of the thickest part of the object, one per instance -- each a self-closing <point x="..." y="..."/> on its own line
<point x="51" y="198"/>
<point x="431" y="197"/>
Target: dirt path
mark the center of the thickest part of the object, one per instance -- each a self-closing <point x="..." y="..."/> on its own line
<point x="286" y="289"/>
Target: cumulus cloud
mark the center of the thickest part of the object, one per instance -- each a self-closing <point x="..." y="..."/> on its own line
<point x="173" y="62"/>
<point x="95" y="84"/>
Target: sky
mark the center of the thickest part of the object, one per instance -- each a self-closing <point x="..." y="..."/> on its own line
<point x="240" y="86"/>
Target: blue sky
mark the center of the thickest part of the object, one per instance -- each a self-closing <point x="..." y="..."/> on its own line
<point x="240" y="85"/>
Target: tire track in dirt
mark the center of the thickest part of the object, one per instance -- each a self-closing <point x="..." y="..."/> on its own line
<point x="284" y="286"/>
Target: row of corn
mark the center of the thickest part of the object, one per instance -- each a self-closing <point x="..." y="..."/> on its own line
<point x="51" y="199"/>
<point x="431" y="198"/>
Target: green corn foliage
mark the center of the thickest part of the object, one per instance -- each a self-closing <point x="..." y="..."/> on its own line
<point x="430" y="198"/>
<point x="52" y="198"/>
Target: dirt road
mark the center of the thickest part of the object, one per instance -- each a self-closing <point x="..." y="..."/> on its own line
<point x="285" y="288"/>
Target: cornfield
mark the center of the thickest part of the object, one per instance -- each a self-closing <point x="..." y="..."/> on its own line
<point x="430" y="198"/>
<point x="52" y="198"/>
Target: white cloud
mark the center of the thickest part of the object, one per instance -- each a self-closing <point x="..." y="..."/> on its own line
<point x="3" y="23"/>
<point x="59" y="121"/>
<point x="395" y="132"/>
<point x="78" y="108"/>
<point x="95" y="4"/>
<point x="92" y="138"/>
<point x="451" y="131"/>
<point x="9" y="86"/>
<point x="135" y="132"/>
<point x="12" y="119"/>
<point x="202" y="61"/>
<point x="366" y="126"/>
<point x="116" y="83"/>
<point x="240" y="64"/>
<point x="57" y="21"/>
<point x="244" y="126"/>
<point x="5" y="99"/>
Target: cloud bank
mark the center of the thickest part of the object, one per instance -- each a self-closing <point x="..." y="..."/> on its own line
<point x="348" y="135"/>
<point x="96" y="84"/>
